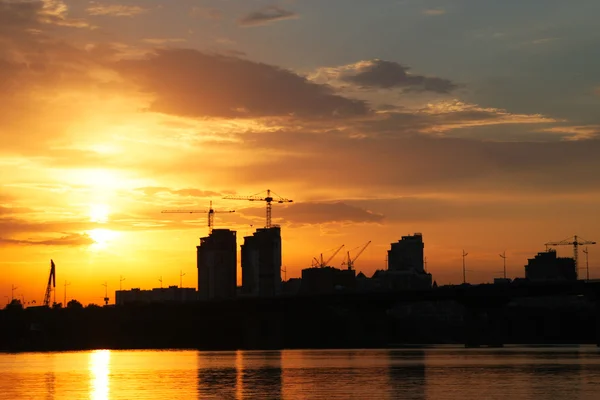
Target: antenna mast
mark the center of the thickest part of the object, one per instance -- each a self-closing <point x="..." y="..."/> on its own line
<point x="503" y="255"/>
<point x="464" y="255"/>
<point x="105" y="284"/>
<point x="587" y="263"/>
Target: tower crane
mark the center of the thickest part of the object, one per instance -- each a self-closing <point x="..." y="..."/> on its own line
<point x="323" y="264"/>
<point x="575" y="242"/>
<point x="51" y="283"/>
<point x="350" y="261"/>
<point x="210" y="212"/>
<point x="269" y="198"/>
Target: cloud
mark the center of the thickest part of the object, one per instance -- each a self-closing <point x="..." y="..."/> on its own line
<point x="160" y="41"/>
<point x="13" y="210"/>
<point x="576" y="132"/>
<point x="153" y="190"/>
<point x="194" y="84"/>
<point x="207" y="13"/>
<point x="266" y="16"/>
<point x="33" y="15"/>
<point x="406" y="164"/>
<point x="73" y="239"/>
<point x="434" y="11"/>
<point x="381" y="74"/>
<point x="114" y="10"/>
<point x="319" y="213"/>
<point x="476" y="208"/>
<point x="543" y="40"/>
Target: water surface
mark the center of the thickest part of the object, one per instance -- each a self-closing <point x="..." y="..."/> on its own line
<point x="442" y="373"/>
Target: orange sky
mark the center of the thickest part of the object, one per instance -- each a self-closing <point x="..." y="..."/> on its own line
<point x="103" y="126"/>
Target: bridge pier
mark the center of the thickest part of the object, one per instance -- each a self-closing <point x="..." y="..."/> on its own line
<point x="597" y="320"/>
<point x="593" y="294"/>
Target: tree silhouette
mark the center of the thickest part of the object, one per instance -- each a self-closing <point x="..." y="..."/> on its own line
<point x="74" y="304"/>
<point x="15" y="304"/>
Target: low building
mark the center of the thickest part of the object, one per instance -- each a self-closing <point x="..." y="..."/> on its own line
<point x="172" y="294"/>
<point x="327" y="280"/>
<point x="403" y="280"/>
<point x="546" y="266"/>
<point x="291" y="287"/>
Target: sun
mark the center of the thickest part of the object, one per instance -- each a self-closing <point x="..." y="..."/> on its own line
<point x="99" y="213"/>
<point x="102" y="238"/>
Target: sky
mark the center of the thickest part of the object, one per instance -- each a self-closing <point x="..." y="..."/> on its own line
<point x="474" y="122"/>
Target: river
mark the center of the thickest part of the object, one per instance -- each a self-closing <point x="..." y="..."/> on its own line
<point x="439" y="373"/>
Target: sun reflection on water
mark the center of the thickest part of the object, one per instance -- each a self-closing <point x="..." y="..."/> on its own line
<point x="99" y="374"/>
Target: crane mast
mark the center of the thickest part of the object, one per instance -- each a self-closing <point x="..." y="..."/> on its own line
<point x="269" y="199"/>
<point x="51" y="283"/>
<point x="323" y="264"/>
<point x="350" y="261"/>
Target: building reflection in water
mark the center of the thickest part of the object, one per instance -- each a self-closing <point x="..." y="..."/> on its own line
<point x="555" y="375"/>
<point x="99" y="366"/>
<point x="254" y="375"/>
<point x="406" y="374"/>
<point x="50" y="384"/>
<point x="262" y="374"/>
<point x="218" y="375"/>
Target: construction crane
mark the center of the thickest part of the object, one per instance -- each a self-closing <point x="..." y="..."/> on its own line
<point x="210" y="212"/>
<point x="575" y="242"/>
<point x="269" y="198"/>
<point x="51" y="283"/>
<point x="350" y="261"/>
<point x="323" y="264"/>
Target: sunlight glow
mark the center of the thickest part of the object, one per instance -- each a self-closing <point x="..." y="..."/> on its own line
<point x="99" y="213"/>
<point x="96" y="178"/>
<point x="102" y="237"/>
<point x="99" y="374"/>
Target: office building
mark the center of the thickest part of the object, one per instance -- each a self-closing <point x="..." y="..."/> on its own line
<point x="172" y="294"/>
<point x="261" y="263"/>
<point x="217" y="265"/>
<point x="546" y="266"/>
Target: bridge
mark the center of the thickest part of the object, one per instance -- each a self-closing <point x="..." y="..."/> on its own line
<point x="484" y="305"/>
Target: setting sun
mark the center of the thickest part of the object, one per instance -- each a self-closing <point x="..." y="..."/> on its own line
<point x="99" y="213"/>
<point x="102" y="238"/>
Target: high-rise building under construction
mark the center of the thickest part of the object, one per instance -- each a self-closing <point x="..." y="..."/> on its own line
<point x="261" y="263"/>
<point x="406" y="264"/>
<point x="217" y="265"/>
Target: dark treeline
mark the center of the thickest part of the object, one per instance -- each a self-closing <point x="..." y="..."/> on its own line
<point x="295" y="323"/>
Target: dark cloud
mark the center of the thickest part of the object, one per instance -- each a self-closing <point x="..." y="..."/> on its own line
<point x="407" y="164"/>
<point x="266" y="15"/>
<point x="73" y="239"/>
<point x="320" y="213"/>
<point x="195" y="84"/>
<point x="476" y="208"/>
<point x="383" y="74"/>
<point x="30" y="15"/>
